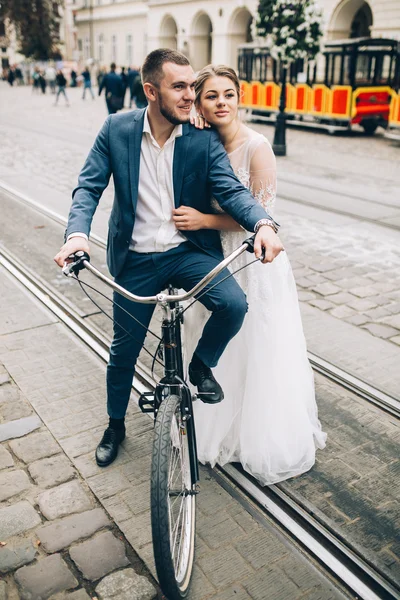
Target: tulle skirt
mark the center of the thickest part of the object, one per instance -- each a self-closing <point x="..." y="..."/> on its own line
<point x="268" y="420"/>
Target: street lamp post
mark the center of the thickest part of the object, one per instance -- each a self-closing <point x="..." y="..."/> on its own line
<point x="279" y="144"/>
<point x="293" y="31"/>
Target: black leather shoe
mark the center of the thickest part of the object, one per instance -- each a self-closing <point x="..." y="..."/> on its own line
<point x="107" y="450"/>
<point x="208" y="388"/>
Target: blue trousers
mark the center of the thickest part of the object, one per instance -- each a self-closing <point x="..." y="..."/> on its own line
<point x="147" y="275"/>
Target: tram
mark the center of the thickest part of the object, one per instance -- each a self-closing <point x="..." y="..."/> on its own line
<point x="354" y="81"/>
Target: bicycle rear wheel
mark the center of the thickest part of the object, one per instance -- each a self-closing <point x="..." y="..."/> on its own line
<point x="173" y="501"/>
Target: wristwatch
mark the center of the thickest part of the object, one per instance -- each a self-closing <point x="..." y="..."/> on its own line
<point x="275" y="226"/>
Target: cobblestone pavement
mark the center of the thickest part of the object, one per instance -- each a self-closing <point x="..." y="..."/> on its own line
<point x="67" y="527"/>
<point x="43" y="151"/>
<point x="363" y="441"/>
<point x="345" y="268"/>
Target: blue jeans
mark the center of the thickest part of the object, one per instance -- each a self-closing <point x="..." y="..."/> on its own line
<point x="61" y="90"/>
<point x="87" y="85"/>
<point x="147" y="275"/>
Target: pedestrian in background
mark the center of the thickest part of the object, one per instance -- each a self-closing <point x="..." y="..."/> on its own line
<point x="132" y="74"/>
<point x="138" y="92"/>
<point x="35" y="81"/>
<point x="74" y="75"/>
<point x="42" y="82"/>
<point x="11" y="76"/>
<point x="50" y="75"/>
<point x="124" y="77"/>
<point x="87" y="83"/>
<point x="114" y="90"/>
<point x="100" y="76"/>
<point x="19" y="76"/>
<point x="61" y="84"/>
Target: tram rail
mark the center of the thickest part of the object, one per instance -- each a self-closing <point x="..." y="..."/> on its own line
<point x="352" y="383"/>
<point x="343" y="561"/>
<point x="23" y="198"/>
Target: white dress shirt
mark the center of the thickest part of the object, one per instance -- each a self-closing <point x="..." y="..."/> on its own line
<point x="154" y="229"/>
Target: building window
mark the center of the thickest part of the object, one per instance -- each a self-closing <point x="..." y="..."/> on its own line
<point x="2" y="28"/>
<point x="129" y="50"/>
<point x="100" y="47"/>
<point x="114" y="48"/>
<point x="86" y="47"/>
<point x="80" y="45"/>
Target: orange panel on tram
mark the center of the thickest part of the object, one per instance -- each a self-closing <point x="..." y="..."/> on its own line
<point x="340" y="102"/>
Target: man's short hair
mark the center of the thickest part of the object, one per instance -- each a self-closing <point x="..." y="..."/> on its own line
<point x="113" y="66"/>
<point x="152" y="68"/>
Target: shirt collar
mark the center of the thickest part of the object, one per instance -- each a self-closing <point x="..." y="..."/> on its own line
<point x="176" y="132"/>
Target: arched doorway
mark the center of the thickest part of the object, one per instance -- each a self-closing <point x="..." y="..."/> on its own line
<point x="201" y="41"/>
<point x="168" y="33"/>
<point x="350" y="19"/>
<point x="239" y="33"/>
<point x="362" y="22"/>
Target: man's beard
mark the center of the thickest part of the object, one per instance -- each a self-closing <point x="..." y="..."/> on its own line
<point x="168" y="114"/>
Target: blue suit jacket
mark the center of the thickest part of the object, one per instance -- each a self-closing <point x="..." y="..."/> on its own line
<point x="201" y="170"/>
<point x="112" y="83"/>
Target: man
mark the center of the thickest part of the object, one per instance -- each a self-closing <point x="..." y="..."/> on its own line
<point x="158" y="162"/>
<point x="138" y="94"/>
<point x="87" y="83"/>
<point x="19" y="76"/>
<point x="61" y="84"/>
<point x="133" y="72"/>
<point x="124" y="77"/>
<point x="114" y="90"/>
<point x="11" y="76"/>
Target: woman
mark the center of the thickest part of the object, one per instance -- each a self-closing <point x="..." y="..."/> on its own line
<point x="268" y="420"/>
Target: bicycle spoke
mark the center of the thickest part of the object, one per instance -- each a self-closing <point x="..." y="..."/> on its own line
<point x="172" y="476"/>
<point x="176" y="529"/>
<point x="175" y="526"/>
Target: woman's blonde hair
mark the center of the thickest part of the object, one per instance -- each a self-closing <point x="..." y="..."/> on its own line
<point x="214" y="71"/>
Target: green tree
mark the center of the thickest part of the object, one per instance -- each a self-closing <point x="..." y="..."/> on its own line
<point x="293" y="31"/>
<point x="292" y="28"/>
<point x="37" y="24"/>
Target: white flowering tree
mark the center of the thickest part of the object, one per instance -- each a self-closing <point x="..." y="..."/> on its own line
<point x="293" y="31"/>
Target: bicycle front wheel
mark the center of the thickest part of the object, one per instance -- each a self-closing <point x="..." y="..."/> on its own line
<point x="173" y="501"/>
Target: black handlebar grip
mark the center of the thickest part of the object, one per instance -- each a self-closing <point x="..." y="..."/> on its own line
<point x="250" y="246"/>
<point x="250" y="243"/>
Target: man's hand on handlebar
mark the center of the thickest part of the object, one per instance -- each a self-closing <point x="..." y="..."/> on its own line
<point x="268" y="242"/>
<point x="70" y="247"/>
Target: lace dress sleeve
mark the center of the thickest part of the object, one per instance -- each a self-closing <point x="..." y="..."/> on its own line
<point x="262" y="175"/>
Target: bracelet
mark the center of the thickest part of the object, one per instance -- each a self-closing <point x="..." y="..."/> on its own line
<point x="275" y="226"/>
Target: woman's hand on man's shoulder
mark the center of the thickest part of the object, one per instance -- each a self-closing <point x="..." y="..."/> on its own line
<point x="199" y="122"/>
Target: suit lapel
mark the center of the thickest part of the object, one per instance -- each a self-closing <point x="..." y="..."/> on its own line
<point x="135" y="142"/>
<point x="180" y="153"/>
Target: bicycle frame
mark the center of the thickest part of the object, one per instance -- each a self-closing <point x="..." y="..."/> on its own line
<point x="174" y="376"/>
<point x="174" y="379"/>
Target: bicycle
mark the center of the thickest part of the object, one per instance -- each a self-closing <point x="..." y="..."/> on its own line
<point x="174" y="470"/>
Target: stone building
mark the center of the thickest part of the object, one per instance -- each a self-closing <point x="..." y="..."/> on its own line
<point x="124" y="31"/>
<point x="207" y="30"/>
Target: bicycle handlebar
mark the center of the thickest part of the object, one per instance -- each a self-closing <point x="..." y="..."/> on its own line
<point x="81" y="260"/>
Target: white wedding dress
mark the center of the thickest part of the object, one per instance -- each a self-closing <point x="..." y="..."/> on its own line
<point x="268" y="420"/>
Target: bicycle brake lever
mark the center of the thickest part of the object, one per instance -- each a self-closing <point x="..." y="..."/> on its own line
<point x="76" y="264"/>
